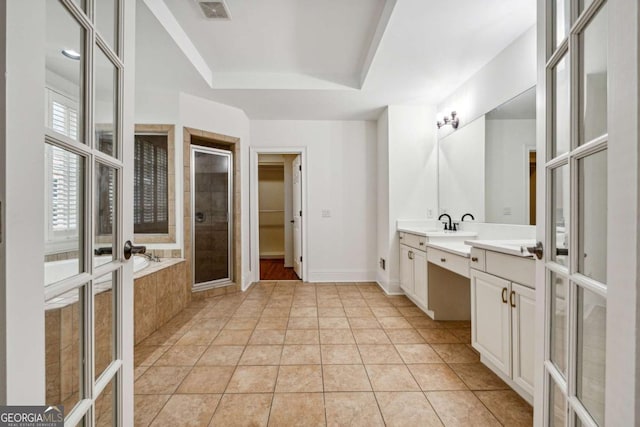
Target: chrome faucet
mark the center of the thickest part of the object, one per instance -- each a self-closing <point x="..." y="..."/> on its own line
<point x="447" y="226"/>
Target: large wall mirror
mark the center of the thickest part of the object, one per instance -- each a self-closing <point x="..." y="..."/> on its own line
<point x="488" y="167"/>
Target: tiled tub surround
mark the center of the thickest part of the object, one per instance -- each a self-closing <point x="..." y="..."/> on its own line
<point x="291" y="353"/>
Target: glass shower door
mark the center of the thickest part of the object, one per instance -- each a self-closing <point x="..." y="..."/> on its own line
<point x="211" y="193"/>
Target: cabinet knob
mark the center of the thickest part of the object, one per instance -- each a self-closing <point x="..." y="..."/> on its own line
<point x="421" y="243"/>
<point x="474" y="259"/>
<point x="443" y="260"/>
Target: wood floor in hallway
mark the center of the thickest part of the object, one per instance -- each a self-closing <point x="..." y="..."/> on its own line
<point x="274" y="269"/>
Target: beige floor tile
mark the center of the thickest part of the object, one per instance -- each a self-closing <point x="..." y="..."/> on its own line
<point x="438" y="336"/>
<point x="454" y="324"/>
<point x="240" y="324"/>
<point x="272" y="336"/>
<point x="181" y="355"/>
<point x="406" y="409"/>
<point x="418" y="353"/>
<point x="464" y="334"/>
<point x="300" y="311"/>
<point x="331" y="312"/>
<point x="231" y="337"/>
<point x="436" y="377"/>
<point x="253" y="379"/>
<point x="138" y="371"/>
<point x="261" y="355"/>
<point x="164" y="336"/>
<point x="391" y="378"/>
<point x="302" y="336"/>
<point x="353" y="302"/>
<point x="209" y="324"/>
<point x="276" y="312"/>
<point x="364" y="323"/>
<point x="206" y="379"/>
<point x="401" y="301"/>
<point x="410" y="311"/>
<point x="379" y="354"/>
<point x="146" y="407"/>
<point x="297" y="409"/>
<point x="352" y="409"/>
<point x="303" y="323"/>
<point x="370" y="336"/>
<point x="340" y="354"/>
<point x="461" y="408"/>
<point x="478" y="377"/>
<point x="345" y="378"/>
<point x="266" y="323"/>
<point x="404" y="336"/>
<point x="358" y="311"/>
<point x="198" y="337"/>
<point x="422" y="322"/>
<point x="340" y="336"/>
<point x="385" y="312"/>
<point x="333" y="323"/>
<point x="299" y="378"/>
<point x="509" y="408"/>
<point x="147" y="355"/>
<point x="161" y="380"/>
<point x="187" y="410"/>
<point x="394" y="323"/>
<point x="241" y="410"/>
<point x="456" y="353"/>
<point x="329" y="302"/>
<point x="300" y="355"/>
<point x="221" y="355"/>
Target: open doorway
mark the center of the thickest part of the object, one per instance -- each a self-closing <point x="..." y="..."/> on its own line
<point x="279" y="216"/>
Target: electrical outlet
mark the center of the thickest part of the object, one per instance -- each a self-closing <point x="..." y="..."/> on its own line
<point x="326" y="213"/>
<point x="383" y="264"/>
<point x="430" y="214"/>
<point x="506" y="211"/>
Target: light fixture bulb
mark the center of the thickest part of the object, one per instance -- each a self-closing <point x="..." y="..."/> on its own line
<point x="71" y="54"/>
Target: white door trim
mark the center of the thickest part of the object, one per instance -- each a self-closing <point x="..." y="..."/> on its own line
<point x="254" y="233"/>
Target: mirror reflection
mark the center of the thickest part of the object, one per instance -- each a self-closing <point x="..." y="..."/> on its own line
<point x="488" y="167"/>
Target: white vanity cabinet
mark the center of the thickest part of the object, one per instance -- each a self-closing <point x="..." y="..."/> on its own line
<point x="503" y="316"/>
<point x="413" y="268"/>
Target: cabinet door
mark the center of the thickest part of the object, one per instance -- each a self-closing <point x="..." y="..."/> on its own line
<point x="490" y="319"/>
<point x="523" y="304"/>
<point x="406" y="269"/>
<point x="420" y="277"/>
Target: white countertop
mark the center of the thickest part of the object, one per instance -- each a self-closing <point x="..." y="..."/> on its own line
<point x="456" y="248"/>
<point x="509" y="247"/>
<point x="432" y="232"/>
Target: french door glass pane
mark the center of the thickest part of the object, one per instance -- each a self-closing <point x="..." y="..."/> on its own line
<point x="64" y="207"/>
<point x="594" y="78"/>
<point x="557" y="406"/>
<point x="107" y="22"/>
<point x="590" y="366"/>
<point x="558" y="342"/>
<point x="105" y="103"/>
<point x="592" y="207"/>
<point x="106" y="405"/>
<point x="105" y="214"/>
<point x="561" y="123"/>
<point x="562" y="19"/>
<point x="104" y="320"/>
<point x="560" y="215"/>
<point x="64" y="319"/>
<point x="64" y="72"/>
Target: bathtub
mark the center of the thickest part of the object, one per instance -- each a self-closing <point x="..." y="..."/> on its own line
<point x="57" y="270"/>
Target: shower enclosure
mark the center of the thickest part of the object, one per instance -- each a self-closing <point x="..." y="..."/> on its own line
<point x="211" y="215"/>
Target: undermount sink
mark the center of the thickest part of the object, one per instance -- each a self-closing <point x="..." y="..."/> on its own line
<point x="442" y="233"/>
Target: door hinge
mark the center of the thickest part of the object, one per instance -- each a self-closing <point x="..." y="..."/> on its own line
<point x="300" y="168"/>
<point x="300" y="214"/>
<point x="300" y="259"/>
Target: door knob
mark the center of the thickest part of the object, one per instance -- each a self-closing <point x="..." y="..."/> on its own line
<point x="535" y="250"/>
<point x="129" y="249"/>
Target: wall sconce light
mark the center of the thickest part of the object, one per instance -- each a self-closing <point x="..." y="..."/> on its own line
<point x="454" y="121"/>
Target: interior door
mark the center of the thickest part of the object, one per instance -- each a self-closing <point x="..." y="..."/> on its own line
<point x="297" y="215"/>
<point x="573" y="269"/>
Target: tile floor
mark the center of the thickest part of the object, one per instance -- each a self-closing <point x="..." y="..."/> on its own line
<point x="288" y="353"/>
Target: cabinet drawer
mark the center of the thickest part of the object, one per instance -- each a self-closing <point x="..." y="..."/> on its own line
<point x="476" y="259"/>
<point x="513" y="268"/>
<point x="413" y="240"/>
<point x="455" y="263"/>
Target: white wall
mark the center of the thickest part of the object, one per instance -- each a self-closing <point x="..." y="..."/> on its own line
<point x="507" y="169"/>
<point x="409" y="147"/>
<point x="461" y="163"/>
<point x="341" y="171"/>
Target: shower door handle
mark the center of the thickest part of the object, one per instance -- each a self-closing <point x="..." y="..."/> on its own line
<point x="200" y="217"/>
<point x="129" y="249"/>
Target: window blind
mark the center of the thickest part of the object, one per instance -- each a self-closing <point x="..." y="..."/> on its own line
<point x="151" y="189"/>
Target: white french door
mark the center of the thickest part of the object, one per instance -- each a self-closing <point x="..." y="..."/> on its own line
<point x="572" y="274"/>
<point x="297" y="215"/>
<point x="69" y="321"/>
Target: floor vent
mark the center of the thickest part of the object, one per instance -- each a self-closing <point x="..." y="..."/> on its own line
<point x="215" y="9"/>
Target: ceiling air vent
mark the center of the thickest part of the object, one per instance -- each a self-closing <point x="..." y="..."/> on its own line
<point x="214" y="9"/>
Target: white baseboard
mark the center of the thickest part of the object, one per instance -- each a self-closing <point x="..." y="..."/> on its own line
<point x="393" y="291"/>
<point x="272" y="255"/>
<point x="342" y="276"/>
